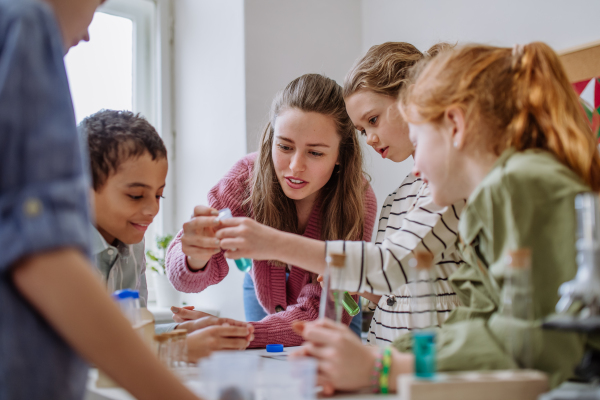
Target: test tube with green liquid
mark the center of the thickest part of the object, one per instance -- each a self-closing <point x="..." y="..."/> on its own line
<point x="243" y="264"/>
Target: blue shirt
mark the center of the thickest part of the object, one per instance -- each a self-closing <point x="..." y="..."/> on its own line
<point x="43" y="197"/>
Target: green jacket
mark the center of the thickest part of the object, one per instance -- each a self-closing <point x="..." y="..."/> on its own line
<point x="527" y="200"/>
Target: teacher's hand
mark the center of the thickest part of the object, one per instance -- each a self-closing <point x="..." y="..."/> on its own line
<point x="246" y="238"/>
<point x="198" y="241"/>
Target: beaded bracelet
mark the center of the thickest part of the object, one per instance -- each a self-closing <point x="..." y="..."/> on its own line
<point x="384" y="378"/>
<point x="376" y="372"/>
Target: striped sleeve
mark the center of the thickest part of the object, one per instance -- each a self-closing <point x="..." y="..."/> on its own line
<point x="382" y="268"/>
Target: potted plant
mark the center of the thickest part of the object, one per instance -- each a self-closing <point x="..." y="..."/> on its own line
<point x="166" y="294"/>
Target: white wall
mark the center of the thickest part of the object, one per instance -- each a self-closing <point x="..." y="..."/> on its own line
<point x="209" y="114"/>
<point x="289" y="38"/>
<point x="561" y="24"/>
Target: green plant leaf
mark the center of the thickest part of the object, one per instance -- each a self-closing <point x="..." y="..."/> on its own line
<point x="151" y="256"/>
<point x="163" y="241"/>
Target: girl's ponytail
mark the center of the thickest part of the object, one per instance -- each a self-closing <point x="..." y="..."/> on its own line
<point x="547" y="113"/>
<point x="520" y="98"/>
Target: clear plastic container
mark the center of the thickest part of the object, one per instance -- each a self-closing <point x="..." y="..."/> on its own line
<point x="294" y="379"/>
<point x="229" y="375"/>
<point x="243" y="264"/>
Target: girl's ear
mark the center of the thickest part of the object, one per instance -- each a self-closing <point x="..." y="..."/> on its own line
<point x="454" y="120"/>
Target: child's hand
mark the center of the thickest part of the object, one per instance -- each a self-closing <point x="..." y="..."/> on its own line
<point x="198" y="241"/>
<point x="218" y="337"/>
<point x="192" y="320"/>
<point x="246" y="238"/>
<point x="187" y="313"/>
<point x="344" y="362"/>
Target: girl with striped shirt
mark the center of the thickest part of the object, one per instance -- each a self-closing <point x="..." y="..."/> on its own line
<point x="410" y="221"/>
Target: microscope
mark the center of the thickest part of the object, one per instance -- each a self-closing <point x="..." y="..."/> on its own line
<point x="579" y="306"/>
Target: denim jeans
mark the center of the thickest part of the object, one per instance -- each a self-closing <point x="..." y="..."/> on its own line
<point x="254" y="311"/>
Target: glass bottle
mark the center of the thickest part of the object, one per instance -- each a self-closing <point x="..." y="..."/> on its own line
<point x="517" y="307"/>
<point x="423" y="315"/>
<point x="243" y="264"/>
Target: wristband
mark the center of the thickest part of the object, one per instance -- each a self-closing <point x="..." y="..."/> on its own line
<point x="376" y="372"/>
<point x="384" y="377"/>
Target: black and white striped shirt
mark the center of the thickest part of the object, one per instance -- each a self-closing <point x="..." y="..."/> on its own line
<point x="410" y="222"/>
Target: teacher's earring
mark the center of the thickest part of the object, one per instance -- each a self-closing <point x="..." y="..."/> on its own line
<point x="455" y="144"/>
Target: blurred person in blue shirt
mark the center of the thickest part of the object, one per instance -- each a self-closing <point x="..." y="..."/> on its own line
<point x="53" y="310"/>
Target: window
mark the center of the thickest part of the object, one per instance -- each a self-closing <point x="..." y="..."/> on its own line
<point x="117" y="68"/>
<point x="101" y="71"/>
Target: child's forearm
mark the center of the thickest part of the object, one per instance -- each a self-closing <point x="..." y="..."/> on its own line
<point x="374" y="298"/>
<point x="61" y="286"/>
<point x="308" y="254"/>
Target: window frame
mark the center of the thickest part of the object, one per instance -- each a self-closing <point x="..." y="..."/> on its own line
<point x="143" y="15"/>
<point x="152" y="84"/>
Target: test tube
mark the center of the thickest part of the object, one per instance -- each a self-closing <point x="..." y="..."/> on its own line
<point x="332" y="301"/>
<point x="424" y="315"/>
<point x="243" y="264"/>
<point x="339" y="261"/>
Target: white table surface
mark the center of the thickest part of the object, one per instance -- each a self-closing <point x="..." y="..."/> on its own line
<point x="94" y="393"/>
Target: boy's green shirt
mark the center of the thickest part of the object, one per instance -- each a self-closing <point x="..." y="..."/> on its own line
<point x="526" y="201"/>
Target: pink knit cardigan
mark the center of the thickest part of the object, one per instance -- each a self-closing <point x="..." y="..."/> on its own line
<point x="298" y="297"/>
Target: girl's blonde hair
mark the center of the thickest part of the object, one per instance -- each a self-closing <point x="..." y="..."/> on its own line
<point x="517" y="98"/>
<point x="385" y="68"/>
<point x="342" y="197"/>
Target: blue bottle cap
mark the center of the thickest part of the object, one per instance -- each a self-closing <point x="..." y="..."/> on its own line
<point x="126" y="294"/>
<point x="274" y="348"/>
